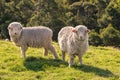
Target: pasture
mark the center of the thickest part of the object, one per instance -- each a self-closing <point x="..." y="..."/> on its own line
<point x="100" y="63"/>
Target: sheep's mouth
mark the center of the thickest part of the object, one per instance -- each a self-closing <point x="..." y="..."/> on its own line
<point x="79" y="39"/>
<point x="15" y="35"/>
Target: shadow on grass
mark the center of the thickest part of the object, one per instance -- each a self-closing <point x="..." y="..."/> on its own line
<point x="95" y="70"/>
<point x="101" y="48"/>
<point x="40" y="64"/>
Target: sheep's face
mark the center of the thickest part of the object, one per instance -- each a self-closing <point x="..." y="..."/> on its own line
<point x="15" y="29"/>
<point x="81" y="32"/>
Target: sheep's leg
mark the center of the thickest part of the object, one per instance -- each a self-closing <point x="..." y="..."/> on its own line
<point x="23" y="50"/>
<point x="71" y="62"/>
<point x="45" y="51"/>
<point x="63" y="55"/>
<point x="52" y="49"/>
<point x="80" y="59"/>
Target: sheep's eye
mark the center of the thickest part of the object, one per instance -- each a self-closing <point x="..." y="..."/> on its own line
<point x="10" y="28"/>
<point x="20" y="28"/>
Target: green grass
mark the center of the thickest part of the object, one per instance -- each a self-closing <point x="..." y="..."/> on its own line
<point x="100" y="63"/>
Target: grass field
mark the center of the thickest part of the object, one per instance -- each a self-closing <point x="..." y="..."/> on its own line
<point x="100" y="63"/>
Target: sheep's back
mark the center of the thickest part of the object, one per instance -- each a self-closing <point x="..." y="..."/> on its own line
<point x="63" y="37"/>
<point x="36" y="36"/>
<point x="65" y="32"/>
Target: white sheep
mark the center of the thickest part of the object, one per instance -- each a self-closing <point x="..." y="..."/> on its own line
<point x="36" y="37"/>
<point x="73" y="41"/>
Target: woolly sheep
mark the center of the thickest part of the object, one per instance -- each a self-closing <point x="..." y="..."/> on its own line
<point x="36" y="37"/>
<point x="73" y="41"/>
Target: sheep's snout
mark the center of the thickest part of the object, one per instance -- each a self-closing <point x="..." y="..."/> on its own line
<point x="81" y="37"/>
<point x="15" y="33"/>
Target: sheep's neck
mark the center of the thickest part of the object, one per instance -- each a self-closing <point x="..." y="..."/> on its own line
<point x="15" y="40"/>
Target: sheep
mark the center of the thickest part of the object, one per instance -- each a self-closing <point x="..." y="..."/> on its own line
<point x="73" y="41"/>
<point x="36" y="37"/>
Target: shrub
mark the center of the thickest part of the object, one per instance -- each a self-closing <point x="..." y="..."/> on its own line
<point x="110" y="36"/>
<point x="94" y="38"/>
<point x="3" y="31"/>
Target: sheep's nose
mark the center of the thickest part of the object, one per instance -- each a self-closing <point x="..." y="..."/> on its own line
<point x="15" y="33"/>
<point x="80" y="37"/>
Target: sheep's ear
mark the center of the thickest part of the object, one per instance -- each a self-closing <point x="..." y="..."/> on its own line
<point x="8" y="28"/>
<point x="87" y="30"/>
<point x="74" y="30"/>
<point x="21" y="28"/>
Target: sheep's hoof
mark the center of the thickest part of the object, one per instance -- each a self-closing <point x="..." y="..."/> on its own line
<point x="63" y="60"/>
<point x="70" y="65"/>
<point x="23" y="57"/>
<point x="81" y="64"/>
<point x="56" y="57"/>
<point x="45" y="54"/>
